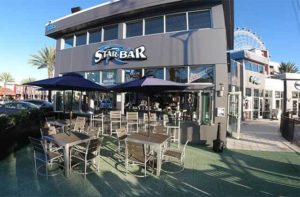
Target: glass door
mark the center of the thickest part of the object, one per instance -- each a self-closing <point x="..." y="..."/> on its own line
<point x="260" y="108"/>
<point x="234" y="114"/>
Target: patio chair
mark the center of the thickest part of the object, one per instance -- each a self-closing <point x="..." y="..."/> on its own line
<point x="115" y="119"/>
<point x="98" y="121"/>
<point x="121" y="137"/>
<point x="153" y="122"/>
<point x="79" y="125"/>
<point x="47" y="157"/>
<point x="45" y="131"/>
<point x="175" y="155"/>
<point x="87" y="155"/>
<point x="136" y="154"/>
<point x="132" y="119"/>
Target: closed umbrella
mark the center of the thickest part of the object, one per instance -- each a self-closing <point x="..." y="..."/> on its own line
<point x="149" y="86"/>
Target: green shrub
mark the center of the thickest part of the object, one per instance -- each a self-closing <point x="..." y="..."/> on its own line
<point x="4" y="122"/>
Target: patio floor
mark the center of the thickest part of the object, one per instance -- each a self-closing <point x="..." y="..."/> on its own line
<point x="232" y="173"/>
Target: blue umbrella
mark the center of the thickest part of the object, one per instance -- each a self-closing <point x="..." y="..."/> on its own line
<point x="149" y="86"/>
<point x="69" y="81"/>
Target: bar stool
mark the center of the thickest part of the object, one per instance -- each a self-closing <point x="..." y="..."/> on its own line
<point x="173" y="129"/>
<point x="132" y="119"/>
<point x="98" y="121"/>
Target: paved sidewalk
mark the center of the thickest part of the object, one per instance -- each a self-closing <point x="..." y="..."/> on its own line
<point x="261" y="135"/>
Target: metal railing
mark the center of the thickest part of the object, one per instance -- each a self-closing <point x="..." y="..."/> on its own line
<point x="290" y="129"/>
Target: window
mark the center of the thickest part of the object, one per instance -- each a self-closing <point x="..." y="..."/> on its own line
<point x="69" y="42"/>
<point x="260" y="69"/>
<point x="248" y="66"/>
<point x="268" y="93"/>
<point x="80" y="39"/>
<point x="295" y="105"/>
<point x="93" y="76"/>
<point x="202" y="74"/>
<point x="154" y="25"/>
<point x="109" y="77"/>
<point x="134" y="29"/>
<point x="200" y="19"/>
<point x="277" y="94"/>
<point x="156" y="72"/>
<point x="248" y="92"/>
<point x="206" y="106"/>
<point x="132" y="74"/>
<point x="95" y="36"/>
<point x="178" y="74"/>
<point x="176" y="22"/>
<point x="110" y="32"/>
<point x="234" y="69"/>
<point x="256" y="92"/>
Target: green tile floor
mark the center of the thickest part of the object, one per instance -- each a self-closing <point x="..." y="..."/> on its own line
<point x="232" y="173"/>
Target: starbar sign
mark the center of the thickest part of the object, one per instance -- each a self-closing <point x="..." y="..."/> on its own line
<point x="119" y="54"/>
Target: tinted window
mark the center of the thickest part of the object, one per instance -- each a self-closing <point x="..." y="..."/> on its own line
<point x="177" y="74"/>
<point x="202" y="74"/>
<point x="93" y="76"/>
<point x="176" y="22"/>
<point x="80" y="39"/>
<point x="134" y="29"/>
<point x="95" y="36"/>
<point x="111" y="32"/>
<point x="69" y="42"/>
<point x="132" y="74"/>
<point x="156" y="72"/>
<point x="109" y="77"/>
<point x="200" y="19"/>
<point x="154" y="25"/>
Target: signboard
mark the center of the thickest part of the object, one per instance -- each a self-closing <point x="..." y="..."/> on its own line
<point x="297" y="85"/>
<point x="201" y="74"/>
<point x="119" y="54"/>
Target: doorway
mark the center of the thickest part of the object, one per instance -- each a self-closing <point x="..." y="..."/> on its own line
<point x="234" y="114"/>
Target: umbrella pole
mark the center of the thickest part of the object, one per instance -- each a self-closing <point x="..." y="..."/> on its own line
<point x="71" y="111"/>
<point x="148" y="115"/>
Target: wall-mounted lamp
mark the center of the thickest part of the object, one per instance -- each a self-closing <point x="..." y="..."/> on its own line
<point x="221" y="90"/>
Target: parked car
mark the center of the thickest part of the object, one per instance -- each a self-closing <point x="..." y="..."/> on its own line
<point x="42" y="104"/>
<point x="16" y="107"/>
<point x="105" y="104"/>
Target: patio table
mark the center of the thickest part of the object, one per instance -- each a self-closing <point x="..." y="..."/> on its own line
<point x="154" y="139"/>
<point x="67" y="141"/>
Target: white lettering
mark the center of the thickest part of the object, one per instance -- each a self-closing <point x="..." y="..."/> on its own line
<point x="139" y="52"/>
<point x="98" y="56"/>
<point x="123" y="54"/>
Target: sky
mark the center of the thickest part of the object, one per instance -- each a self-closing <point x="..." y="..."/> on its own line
<point x="22" y="33"/>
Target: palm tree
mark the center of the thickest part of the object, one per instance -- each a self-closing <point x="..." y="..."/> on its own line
<point x="288" y="67"/>
<point x="6" y="77"/>
<point x="44" y="59"/>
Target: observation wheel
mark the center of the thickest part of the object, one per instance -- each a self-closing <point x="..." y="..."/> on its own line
<point x="244" y="39"/>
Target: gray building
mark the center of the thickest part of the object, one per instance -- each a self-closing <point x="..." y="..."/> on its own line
<point x="182" y="41"/>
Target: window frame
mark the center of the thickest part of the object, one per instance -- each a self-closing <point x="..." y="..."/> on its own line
<point x="103" y="32"/>
<point x="205" y="10"/>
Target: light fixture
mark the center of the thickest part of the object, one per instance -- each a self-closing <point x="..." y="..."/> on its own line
<point x="221" y="90"/>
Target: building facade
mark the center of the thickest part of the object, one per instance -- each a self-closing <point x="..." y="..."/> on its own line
<point x="182" y="41"/>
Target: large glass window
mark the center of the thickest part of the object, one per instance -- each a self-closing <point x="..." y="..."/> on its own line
<point x="156" y="72"/>
<point x="132" y="74"/>
<point x="206" y="106"/>
<point x="95" y="36"/>
<point x="80" y="39"/>
<point x="154" y="25"/>
<point x="110" y="32"/>
<point x="69" y="42"/>
<point x="177" y="74"/>
<point x="134" y="28"/>
<point x="202" y="74"/>
<point x="93" y="76"/>
<point x="256" y="92"/>
<point x="176" y="22"/>
<point x="200" y="19"/>
<point x="109" y="77"/>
